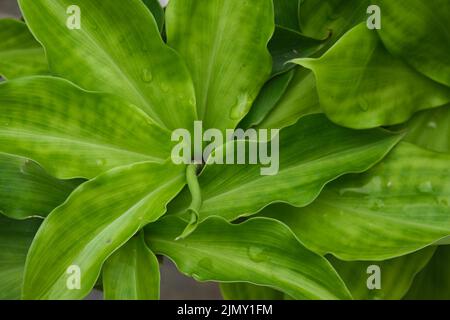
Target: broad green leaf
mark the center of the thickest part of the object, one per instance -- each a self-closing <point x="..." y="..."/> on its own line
<point x="157" y="11"/>
<point x="26" y="190"/>
<point x="15" y="239"/>
<point x="286" y="45"/>
<point x="99" y="217"/>
<point x="75" y="133"/>
<point x="228" y="59"/>
<point x="417" y="31"/>
<point x="20" y="54"/>
<point x="361" y="85"/>
<point x="430" y="129"/>
<point x="131" y="273"/>
<point x="330" y="19"/>
<point x="233" y="191"/>
<point x="299" y="99"/>
<point x="118" y="49"/>
<point x="396" y="275"/>
<point x="433" y="282"/>
<point x="261" y="251"/>
<point x="399" y="206"/>
<point x="267" y="99"/>
<point x="247" y="291"/>
<point x="286" y="13"/>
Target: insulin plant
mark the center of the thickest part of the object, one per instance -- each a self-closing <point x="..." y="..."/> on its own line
<point x="96" y="180"/>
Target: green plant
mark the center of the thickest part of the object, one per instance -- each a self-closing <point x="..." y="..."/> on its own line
<point x="88" y="186"/>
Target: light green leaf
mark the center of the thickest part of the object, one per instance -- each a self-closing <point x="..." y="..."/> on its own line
<point x="330" y="19"/>
<point x="286" y="13"/>
<point x="299" y="99"/>
<point x="233" y="191"/>
<point x="433" y="282"/>
<point x="228" y="59"/>
<point x="20" y="54"/>
<point x="99" y="216"/>
<point x="396" y="275"/>
<point x="261" y="251"/>
<point x="131" y="273"/>
<point x="268" y="98"/>
<point x="74" y="133"/>
<point x="247" y="291"/>
<point x="361" y="85"/>
<point x="157" y="11"/>
<point x="26" y="190"/>
<point x="430" y="129"/>
<point x="417" y="31"/>
<point x="15" y="239"/>
<point x="399" y="206"/>
<point x="118" y="49"/>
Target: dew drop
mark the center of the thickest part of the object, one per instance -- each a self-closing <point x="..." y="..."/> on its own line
<point x="363" y="104"/>
<point x="389" y="184"/>
<point x="241" y="107"/>
<point x="432" y="125"/>
<point x="101" y="162"/>
<point x="425" y="187"/>
<point x="256" y="254"/>
<point x="147" y="75"/>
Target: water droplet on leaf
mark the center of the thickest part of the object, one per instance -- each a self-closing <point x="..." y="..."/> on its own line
<point x="425" y="187"/>
<point x="257" y="254"/>
<point x="147" y="75"/>
<point x="241" y="107"/>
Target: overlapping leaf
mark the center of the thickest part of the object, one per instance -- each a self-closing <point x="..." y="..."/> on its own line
<point x="74" y="133"/>
<point x="397" y="207"/>
<point x="27" y="190"/>
<point x="261" y="251"/>
<point x="361" y="85"/>
<point x="99" y="216"/>
<point x="131" y="273"/>
<point x="238" y="190"/>
<point x="228" y="59"/>
<point x="118" y="49"/>
<point x="15" y="240"/>
<point x="20" y="54"/>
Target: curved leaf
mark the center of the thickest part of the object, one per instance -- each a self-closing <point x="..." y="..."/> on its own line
<point x="232" y="191"/>
<point x="26" y="190"/>
<point x="228" y="60"/>
<point x="247" y="291"/>
<point x="131" y="273"/>
<point x="396" y="275"/>
<point x="417" y="31"/>
<point x="120" y="48"/>
<point x="74" y="133"/>
<point x="99" y="216"/>
<point x="399" y="206"/>
<point x="261" y="251"/>
<point x="157" y="11"/>
<point x="20" y="54"/>
<point x="15" y="240"/>
<point x="433" y="282"/>
<point x="361" y="85"/>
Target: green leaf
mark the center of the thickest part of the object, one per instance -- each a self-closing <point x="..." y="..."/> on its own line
<point x="247" y="291"/>
<point x="131" y="273"/>
<point x="74" y="133"/>
<point x="433" y="282"/>
<point x="233" y="191"/>
<point x="399" y="206"/>
<point x="20" y="54"/>
<point x="268" y="98"/>
<point x="396" y="275"/>
<point x="330" y="19"/>
<point x="417" y="31"/>
<point x="118" y="50"/>
<point x="15" y="239"/>
<point x="228" y="59"/>
<point x="26" y="190"/>
<point x="99" y="216"/>
<point x="157" y="11"/>
<point x="361" y="85"/>
<point x="430" y="129"/>
<point x="299" y="99"/>
<point x="247" y="252"/>
<point x="286" y="13"/>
